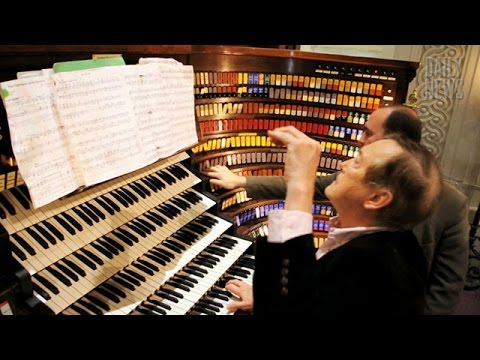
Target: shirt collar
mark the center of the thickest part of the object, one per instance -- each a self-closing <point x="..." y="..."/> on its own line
<point x="340" y="236"/>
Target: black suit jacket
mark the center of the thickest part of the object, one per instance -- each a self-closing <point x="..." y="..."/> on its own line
<point x="443" y="236"/>
<point x="380" y="273"/>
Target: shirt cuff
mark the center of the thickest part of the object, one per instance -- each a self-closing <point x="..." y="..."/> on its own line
<point x="284" y="225"/>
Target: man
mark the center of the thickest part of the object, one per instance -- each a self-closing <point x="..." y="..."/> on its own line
<point x="371" y="263"/>
<point x="443" y="236"/>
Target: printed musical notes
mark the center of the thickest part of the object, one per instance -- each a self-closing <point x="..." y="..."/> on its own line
<point x="76" y="128"/>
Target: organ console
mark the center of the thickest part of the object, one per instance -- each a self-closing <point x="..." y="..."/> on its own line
<point x="158" y="240"/>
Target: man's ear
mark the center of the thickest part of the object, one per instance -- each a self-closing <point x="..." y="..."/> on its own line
<point x="380" y="199"/>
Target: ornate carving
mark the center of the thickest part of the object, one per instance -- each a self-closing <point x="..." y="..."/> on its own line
<point x="439" y="83"/>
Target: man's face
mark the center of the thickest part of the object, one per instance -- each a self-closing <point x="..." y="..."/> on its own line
<point x="349" y="189"/>
<point x="374" y="126"/>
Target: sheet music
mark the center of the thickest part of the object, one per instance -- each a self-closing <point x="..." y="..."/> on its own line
<point x="179" y="103"/>
<point x="94" y="107"/>
<point x="80" y="128"/>
<point x="161" y="92"/>
<point x="37" y="140"/>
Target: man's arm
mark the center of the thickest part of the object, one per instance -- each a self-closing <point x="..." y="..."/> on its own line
<point x="274" y="187"/>
<point x="450" y="259"/>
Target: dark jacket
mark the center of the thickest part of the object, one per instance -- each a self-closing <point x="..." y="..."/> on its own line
<point x="443" y="237"/>
<point x="380" y="273"/>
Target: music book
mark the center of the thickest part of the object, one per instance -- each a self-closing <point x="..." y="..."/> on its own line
<point x="77" y="128"/>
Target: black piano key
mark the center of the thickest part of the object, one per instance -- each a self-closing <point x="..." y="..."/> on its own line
<point x="90" y="307"/>
<point x="145" y="311"/>
<point x="124" y="196"/>
<point x="110" y="203"/>
<point x="206" y="260"/>
<point x="146" y="224"/>
<point x="120" y="199"/>
<point x="177" y="243"/>
<point x="197" y="268"/>
<point x="187" y="278"/>
<point x="59" y="276"/>
<point x="96" y="210"/>
<point x="220" y="291"/>
<point x="169" y="179"/>
<point x="209" y="306"/>
<point x="172" y="247"/>
<point x="92" y="256"/>
<point x="214" y="251"/>
<point x="16" y="250"/>
<point x="218" y="295"/>
<point x="153" y="310"/>
<point x="180" y="204"/>
<point x="114" y="290"/>
<point x="67" y="271"/>
<point x="97" y="302"/>
<point x="184" y="282"/>
<point x="89" y="213"/>
<point x="128" y="234"/>
<point x="156" y="181"/>
<point x="129" y="278"/>
<point x="165" y="252"/>
<point x="101" y="249"/>
<point x="72" y="221"/>
<point x="193" y="272"/>
<point x="23" y="188"/>
<point x="148" y="264"/>
<point x="169" y="289"/>
<point x="165" y="295"/>
<point x="204" y="310"/>
<point x="155" y="218"/>
<point x="82" y="216"/>
<point x="7" y="205"/>
<point x="108" y="295"/>
<point x="168" y="176"/>
<point x="160" y="304"/>
<point x="151" y="185"/>
<point x="108" y="246"/>
<point x="135" y="274"/>
<point x="37" y="238"/>
<point x="24" y="244"/>
<point x="45" y="234"/>
<point x="75" y="267"/>
<point x="165" y="212"/>
<point x="142" y="188"/>
<point x="104" y="205"/>
<point x="41" y="292"/>
<point x="155" y="258"/>
<point x="65" y="225"/>
<point x="202" y="262"/>
<point x="47" y="284"/>
<point x="160" y="255"/>
<point x="54" y="230"/>
<point x="136" y="229"/>
<point x="143" y="268"/>
<point x="79" y="310"/>
<point x="18" y="195"/>
<point x="123" y="238"/>
<point x="129" y="193"/>
<point x="114" y="243"/>
<point x="242" y="274"/>
<point x="171" y="207"/>
<point x="122" y="282"/>
<point x="85" y="260"/>
<point x="2" y="214"/>
<point x="137" y="190"/>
